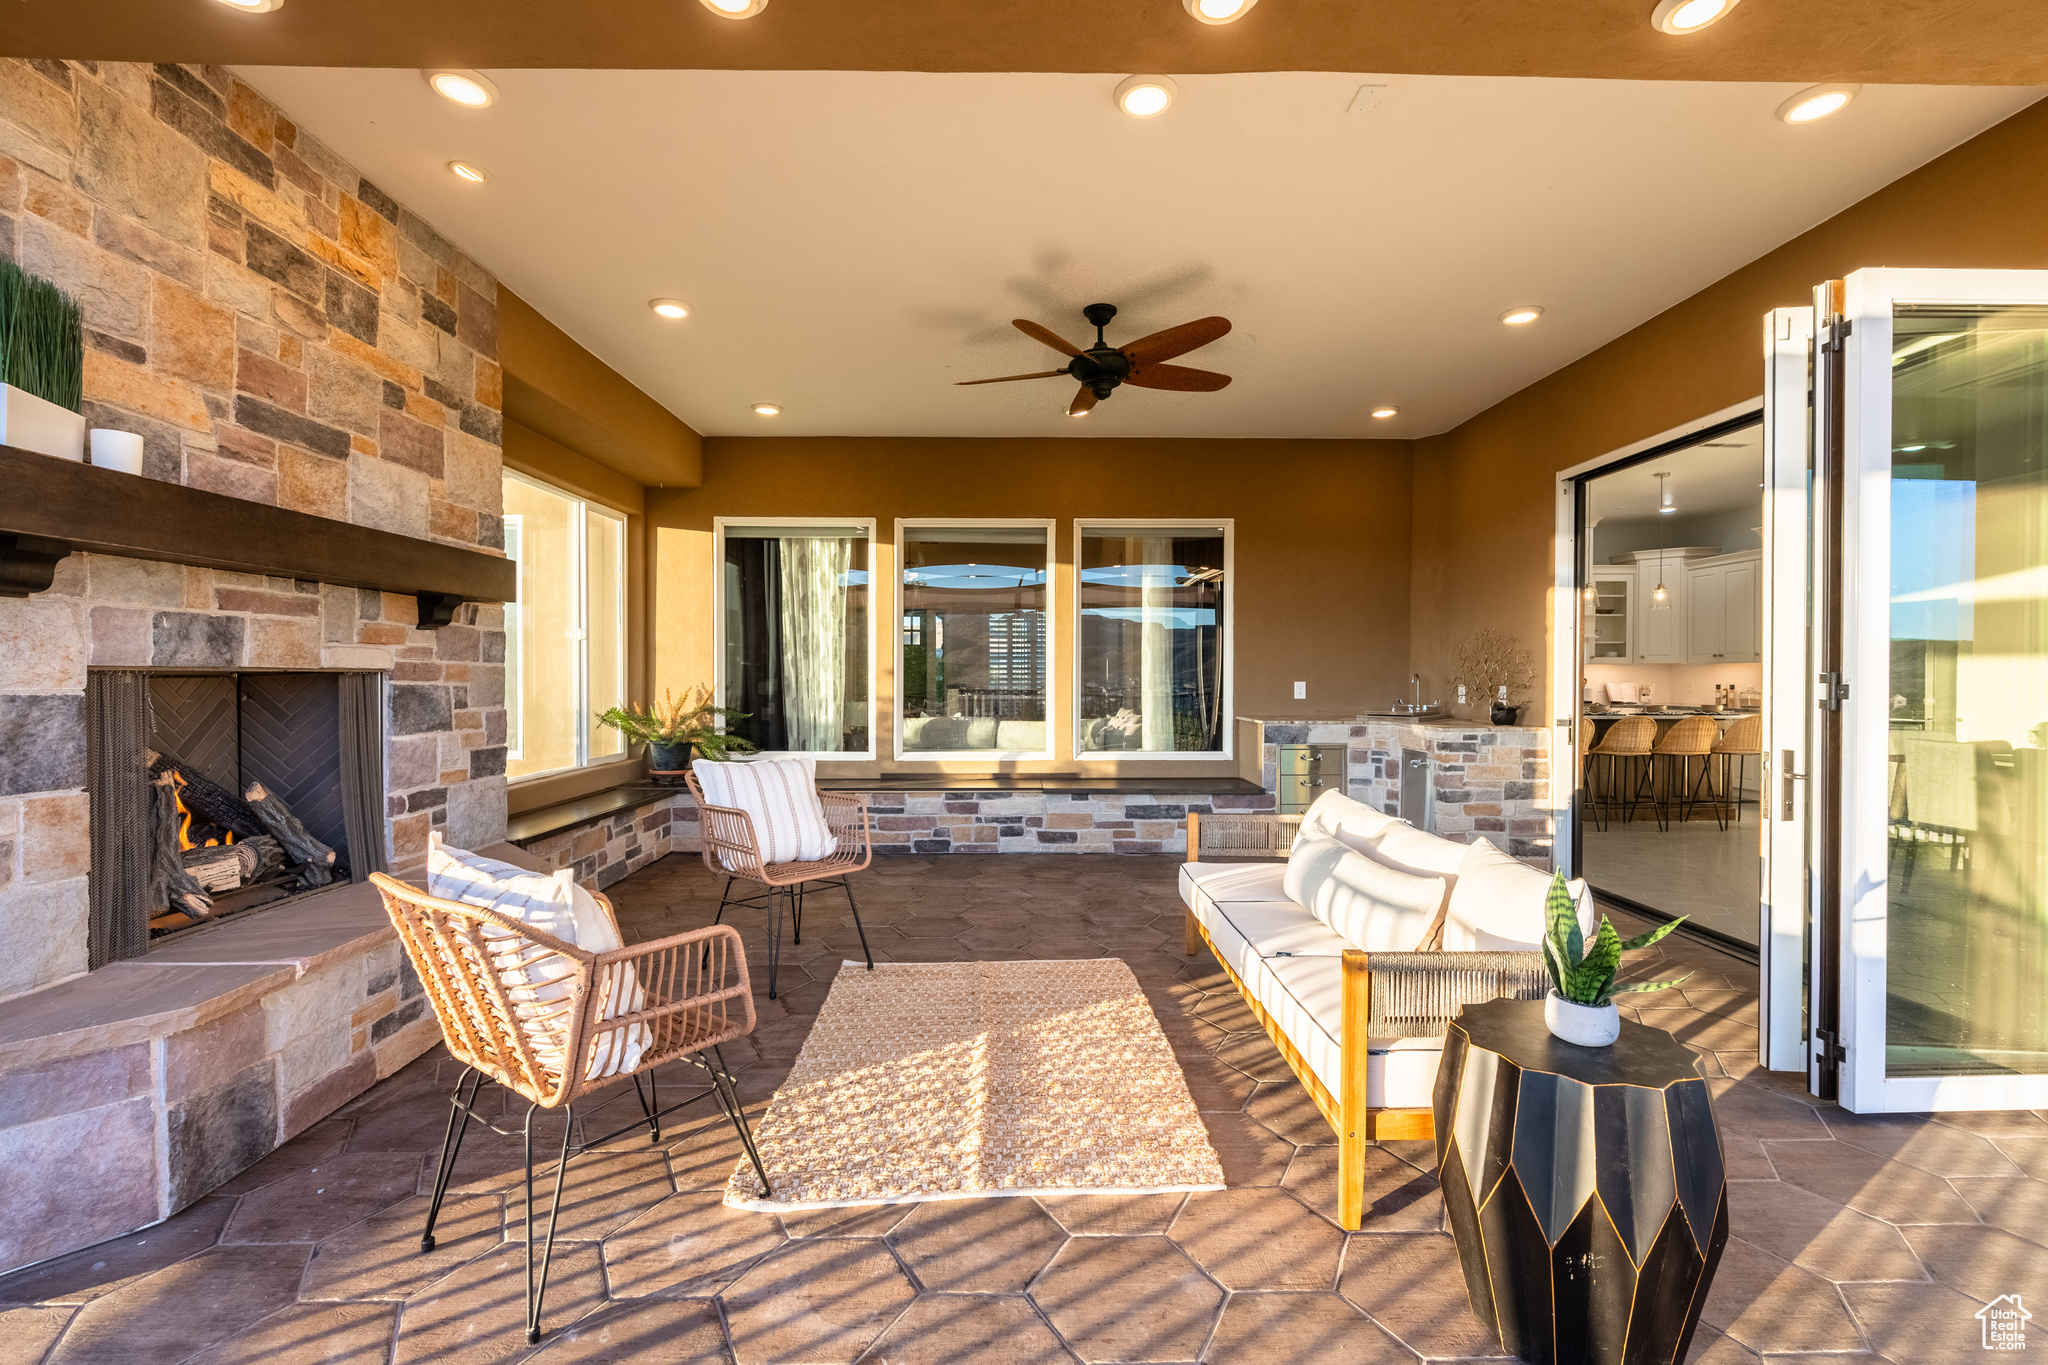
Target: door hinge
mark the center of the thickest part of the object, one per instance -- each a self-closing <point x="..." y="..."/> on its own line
<point x="1833" y="691"/>
<point x="1837" y="332"/>
<point x="1831" y="1048"/>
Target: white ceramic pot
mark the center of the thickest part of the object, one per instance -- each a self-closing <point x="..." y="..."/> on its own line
<point x="1586" y="1025"/>
<point x="120" y="450"/>
<point x="31" y="423"/>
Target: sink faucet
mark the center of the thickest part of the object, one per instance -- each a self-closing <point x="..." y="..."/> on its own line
<point x="1418" y="706"/>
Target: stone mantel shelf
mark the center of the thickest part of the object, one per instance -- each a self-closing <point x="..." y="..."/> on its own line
<point x="55" y="507"/>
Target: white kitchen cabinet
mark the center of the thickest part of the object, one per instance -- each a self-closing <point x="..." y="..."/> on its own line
<point x="1661" y="630"/>
<point x="1721" y="610"/>
<point x="1611" y="610"/>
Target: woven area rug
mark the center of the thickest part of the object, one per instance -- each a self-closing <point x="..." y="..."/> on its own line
<point x="950" y="1080"/>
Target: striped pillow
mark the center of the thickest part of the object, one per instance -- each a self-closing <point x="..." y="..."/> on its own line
<point x="780" y="796"/>
<point x="537" y="979"/>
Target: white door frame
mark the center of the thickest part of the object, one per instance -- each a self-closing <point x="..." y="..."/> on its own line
<point x="1568" y="616"/>
<point x="1870" y="297"/>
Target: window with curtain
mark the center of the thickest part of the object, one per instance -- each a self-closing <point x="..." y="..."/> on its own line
<point x="973" y="663"/>
<point x="1152" y="659"/>
<point x="796" y="636"/>
<point x="565" y="638"/>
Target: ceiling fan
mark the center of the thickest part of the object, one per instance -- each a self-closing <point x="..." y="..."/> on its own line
<point x="1102" y="366"/>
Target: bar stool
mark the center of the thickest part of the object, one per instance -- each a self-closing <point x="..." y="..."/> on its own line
<point x="1687" y="739"/>
<point x="1588" y="799"/>
<point x="1740" y="740"/>
<point x="1626" y="741"/>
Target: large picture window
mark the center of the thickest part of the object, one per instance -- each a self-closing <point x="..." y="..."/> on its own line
<point x="794" y="627"/>
<point x="565" y="638"/>
<point x="1152" y="662"/>
<point x="973" y="669"/>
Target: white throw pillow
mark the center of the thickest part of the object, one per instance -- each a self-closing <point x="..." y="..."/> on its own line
<point x="555" y="905"/>
<point x="1370" y="905"/>
<point x="780" y="796"/>
<point x="1498" y="904"/>
<point x="1350" y="822"/>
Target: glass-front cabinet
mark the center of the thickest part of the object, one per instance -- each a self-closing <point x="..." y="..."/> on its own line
<point x="1610" y="616"/>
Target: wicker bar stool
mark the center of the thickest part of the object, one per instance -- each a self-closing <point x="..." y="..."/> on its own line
<point x="731" y="851"/>
<point x="1627" y="742"/>
<point x="1687" y="739"/>
<point x="1735" y="747"/>
<point x="554" y="1024"/>
<point x="1588" y="801"/>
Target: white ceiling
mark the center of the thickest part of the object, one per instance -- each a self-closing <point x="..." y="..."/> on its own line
<point x="854" y="242"/>
<point x="1719" y="474"/>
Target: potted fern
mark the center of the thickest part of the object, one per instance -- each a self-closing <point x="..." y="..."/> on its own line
<point x="42" y="366"/>
<point x="1580" y="1007"/>
<point x="674" y="728"/>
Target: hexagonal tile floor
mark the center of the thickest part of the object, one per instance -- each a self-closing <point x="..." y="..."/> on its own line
<point x="1865" y="1238"/>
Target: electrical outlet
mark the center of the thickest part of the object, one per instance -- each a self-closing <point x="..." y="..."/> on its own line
<point x="1301" y="691"/>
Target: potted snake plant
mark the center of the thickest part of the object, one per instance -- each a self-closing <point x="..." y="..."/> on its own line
<point x="676" y="727"/>
<point x="1580" y="1006"/>
<point x="42" y="366"/>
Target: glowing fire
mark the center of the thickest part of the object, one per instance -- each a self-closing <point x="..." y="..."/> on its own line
<point x="185" y="840"/>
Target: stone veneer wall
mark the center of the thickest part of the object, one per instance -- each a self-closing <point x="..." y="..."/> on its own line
<point x="277" y="329"/>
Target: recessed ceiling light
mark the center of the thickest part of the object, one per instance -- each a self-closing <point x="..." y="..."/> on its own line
<point x="670" y="308"/>
<point x="735" y="9"/>
<point x="1384" y="412"/>
<point x="762" y="409"/>
<point x="1817" y="102"/>
<point x="1523" y="316"/>
<point x="1689" y="16"/>
<point x="253" y="6"/>
<point x="470" y="89"/>
<point x="1146" y="96"/>
<point x="1082" y="413"/>
<point x="464" y="171"/>
<point x="1218" y="11"/>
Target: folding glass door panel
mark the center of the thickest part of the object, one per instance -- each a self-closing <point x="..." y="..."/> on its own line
<point x="1940" y="883"/>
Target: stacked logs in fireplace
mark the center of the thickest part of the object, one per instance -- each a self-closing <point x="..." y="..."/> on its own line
<point x="216" y="852"/>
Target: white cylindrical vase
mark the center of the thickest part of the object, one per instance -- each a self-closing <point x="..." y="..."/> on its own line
<point x="120" y="450"/>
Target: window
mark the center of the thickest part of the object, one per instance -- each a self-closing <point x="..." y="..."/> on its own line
<point x="565" y="638"/>
<point x="972" y="675"/>
<point x="794" y="636"/>
<point x="1152" y="661"/>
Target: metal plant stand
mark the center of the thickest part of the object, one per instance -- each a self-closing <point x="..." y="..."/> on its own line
<point x="1584" y="1186"/>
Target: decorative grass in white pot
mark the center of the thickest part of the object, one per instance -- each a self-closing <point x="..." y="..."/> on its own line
<point x="1580" y="1007"/>
<point x="42" y="366"/>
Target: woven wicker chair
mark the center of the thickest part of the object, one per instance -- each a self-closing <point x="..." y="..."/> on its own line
<point x="731" y="851"/>
<point x="683" y="995"/>
<point x="1687" y="739"/>
<point x="1622" y="783"/>
<point x="1735" y="747"/>
<point x="1386" y="996"/>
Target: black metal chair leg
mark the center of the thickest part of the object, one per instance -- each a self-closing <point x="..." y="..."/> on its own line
<point x="723" y="898"/>
<point x="774" y="936"/>
<point x="846" y="885"/>
<point x="796" y="901"/>
<point x="535" y="1293"/>
<point x="729" y="1100"/>
<point x="650" y="1105"/>
<point x="451" y="1147"/>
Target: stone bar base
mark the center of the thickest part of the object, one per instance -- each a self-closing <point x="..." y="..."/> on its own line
<point x="130" y="1092"/>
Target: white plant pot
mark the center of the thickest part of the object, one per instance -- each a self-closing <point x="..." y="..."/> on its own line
<point x="31" y="423"/>
<point x="120" y="450"/>
<point x="1586" y="1025"/>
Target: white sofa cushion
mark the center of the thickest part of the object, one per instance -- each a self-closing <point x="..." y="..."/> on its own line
<point x="1304" y="995"/>
<point x="780" y="797"/>
<point x="1374" y="906"/>
<point x="1248" y="915"/>
<point x="1498" y="903"/>
<point x="537" y="978"/>
<point x="1351" y="823"/>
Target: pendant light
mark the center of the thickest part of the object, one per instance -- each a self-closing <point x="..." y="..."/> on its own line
<point x="1660" y="600"/>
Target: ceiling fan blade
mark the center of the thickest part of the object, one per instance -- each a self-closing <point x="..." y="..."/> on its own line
<point x="1004" y="379"/>
<point x="1177" y="377"/>
<point x="1175" y="340"/>
<point x="1037" y="333"/>
<point x="1083" y="401"/>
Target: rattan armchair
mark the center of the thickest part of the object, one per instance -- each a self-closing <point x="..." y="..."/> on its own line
<point x="548" y="1037"/>
<point x="732" y="852"/>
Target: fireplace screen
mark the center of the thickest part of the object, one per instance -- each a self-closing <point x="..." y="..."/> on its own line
<point x="217" y="794"/>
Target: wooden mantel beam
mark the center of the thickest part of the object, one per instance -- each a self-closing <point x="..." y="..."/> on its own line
<point x="51" y="507"/>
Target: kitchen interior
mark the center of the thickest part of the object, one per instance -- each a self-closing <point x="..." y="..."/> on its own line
<point x="1672" y="686"/>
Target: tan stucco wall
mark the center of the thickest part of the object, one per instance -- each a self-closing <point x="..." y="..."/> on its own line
<point x="1321" y="569"/>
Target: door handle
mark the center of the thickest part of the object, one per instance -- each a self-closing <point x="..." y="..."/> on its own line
<point x="1787" y="777"/>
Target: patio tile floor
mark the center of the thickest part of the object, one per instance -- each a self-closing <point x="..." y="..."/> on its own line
<point x="1857" y="1237"/>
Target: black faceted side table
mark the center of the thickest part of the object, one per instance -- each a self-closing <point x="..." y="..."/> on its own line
<point x="1583" y="1185"/>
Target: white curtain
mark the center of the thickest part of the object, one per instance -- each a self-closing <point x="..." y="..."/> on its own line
<point x="1156" y="642"/>
<point x="814" y="573"/>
